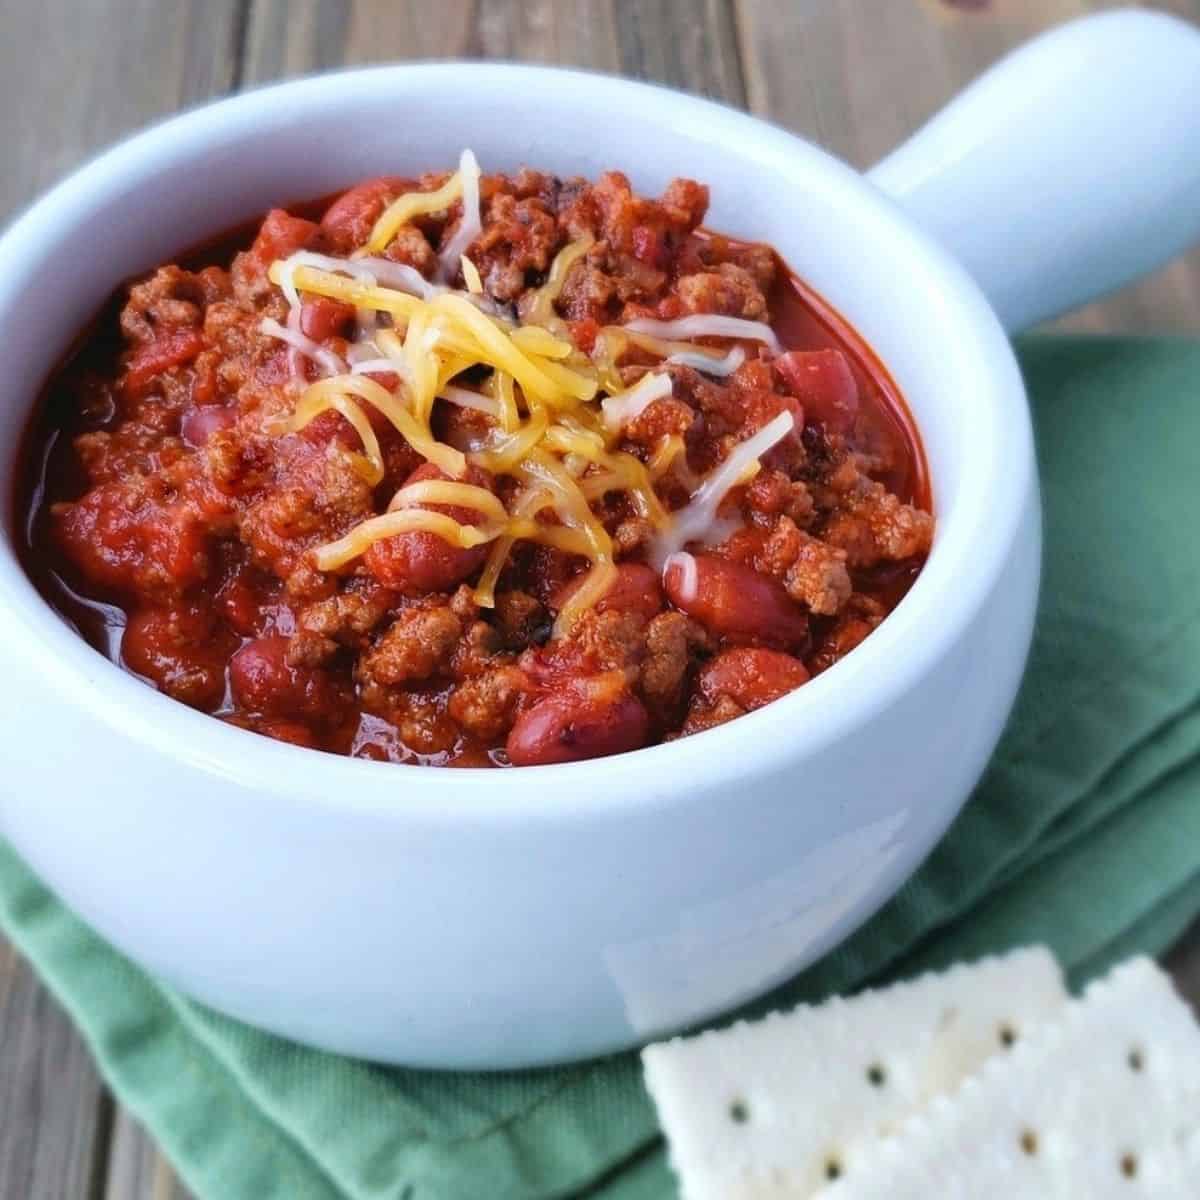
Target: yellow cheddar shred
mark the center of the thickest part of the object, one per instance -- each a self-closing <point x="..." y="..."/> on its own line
<point x="412" y="204"/>
<point x="535" y="402"/>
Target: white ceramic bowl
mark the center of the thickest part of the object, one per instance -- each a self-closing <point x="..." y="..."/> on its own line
<point x="487" y="919"/>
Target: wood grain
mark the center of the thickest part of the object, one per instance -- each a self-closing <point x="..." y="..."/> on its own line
<point x="54" y="1116"/>
<point x="857" y="76"/>
<point x="136" y="1168"/>
<point x="684" y="45"/>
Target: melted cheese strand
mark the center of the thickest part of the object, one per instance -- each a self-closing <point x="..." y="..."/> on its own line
<point x="396" y="275"/>
<point x="526" y="506"/>
<point x="496" y="346"/>
<point x="506" y="397"/>
<point x="446" y="457"/>
<point x="324" y="262"/>
<point x="625" y="407"/>
<point x="465" y="398"/>
<point x="707" y="364"/>
<point x="470" y="274"/>
<point x="471" y="224"/>
<point x="412" y="204"/>
<point x="451" y="492"/>
<point x="593" y="589"/>
<point x="541" y="309"/>
<point x="407" y="520"/>
<point x="504" y="456"/>
<point x="534" y="339"/>
<point x="696" y="518"/>
<point x="329" y="362"/>
<point x="708" y="325"/>
<point x="372" y="456"/>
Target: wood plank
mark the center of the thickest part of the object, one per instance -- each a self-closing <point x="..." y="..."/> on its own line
<point x="126" y="62"/>
<point x="859" y="78"/>
<point x="136" y="1168"/>
<point x="692" y="47"/>
<point x="74" y="77"/>
<point x="54" y="1116"/>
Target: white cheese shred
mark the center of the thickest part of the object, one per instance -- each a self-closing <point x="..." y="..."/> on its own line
<point x="471" y="224"/>
<point x="625" y="407"/>
<point x="710" y="364"/>
<point x="330" y="363"/>
<point x="708" y="325"/>
<point x="695" y="520"/>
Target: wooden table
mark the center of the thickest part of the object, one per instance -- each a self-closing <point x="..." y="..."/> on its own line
<point x="855" y="75"/>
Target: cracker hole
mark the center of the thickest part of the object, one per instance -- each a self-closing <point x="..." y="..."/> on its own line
<point x="739" y="1112"/>
<point x="1129" y="1165"/>
<point x="876" y="1075"/>
<point x="1008" y="1036"/>
<point x="833" y="1168"/>
<point x="1136" y="1060"/>
<point x="1029" y="1142"/>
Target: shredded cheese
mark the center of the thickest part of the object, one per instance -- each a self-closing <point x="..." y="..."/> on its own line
<point x="470" y="274"/>
<point x="413" y="204"/>
<point x="709" y="364"/>
<point x="471" y="224"/>
<point x="553" y="417"/>
<point x="695" y="520"/>
<point x="541" y="308"/>
<point x="708" y="325"/>
<point x="622" y="409"/>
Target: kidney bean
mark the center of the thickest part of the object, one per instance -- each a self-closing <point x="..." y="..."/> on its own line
<point x="733" y="600"/>
<point x="823" y="382"/>
<point x="201" y="422"/>
<point x="321" y="318"/>
<point x="578" y="723"/>
<point x="421" y="561"/>
<point x="751" y="676"/>
<point x="263" y="681"/>
<point x="636" y="589"/>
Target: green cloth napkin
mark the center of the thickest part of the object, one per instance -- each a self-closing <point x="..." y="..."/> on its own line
<point x="1084" y="834"/>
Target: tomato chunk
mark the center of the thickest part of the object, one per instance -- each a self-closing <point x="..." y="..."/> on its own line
<point x="823" y="382"/>
<point x="733" y="600"/>
<point x="350" y="217"/>
<point x="172" y="349"/>
<point x="180" y="651"/>
<point x="751" y="675"/>
<point x="281" y="234"/>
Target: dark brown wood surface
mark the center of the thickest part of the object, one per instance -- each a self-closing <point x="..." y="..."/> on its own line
<point x="856" y="76"/>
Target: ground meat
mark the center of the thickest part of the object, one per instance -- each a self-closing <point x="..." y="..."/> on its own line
<point x="671" y="640"/>
<point x="348" y="616"/>
<point x="417" y="645"/>
<point x="813" y="572"/>
<point x="730" y="290"/>
<point x="873" y="525"/>
<point x="486" y="705"/>
<point x="520" y="617"/>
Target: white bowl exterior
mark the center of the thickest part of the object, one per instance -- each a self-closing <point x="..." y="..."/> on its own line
<point x="457" y="918"/>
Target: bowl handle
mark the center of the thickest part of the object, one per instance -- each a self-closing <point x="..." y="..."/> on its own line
<point x="1071" y="167"/>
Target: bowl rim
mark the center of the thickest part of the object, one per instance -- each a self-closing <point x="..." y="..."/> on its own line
<point x="972" y="542"/>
